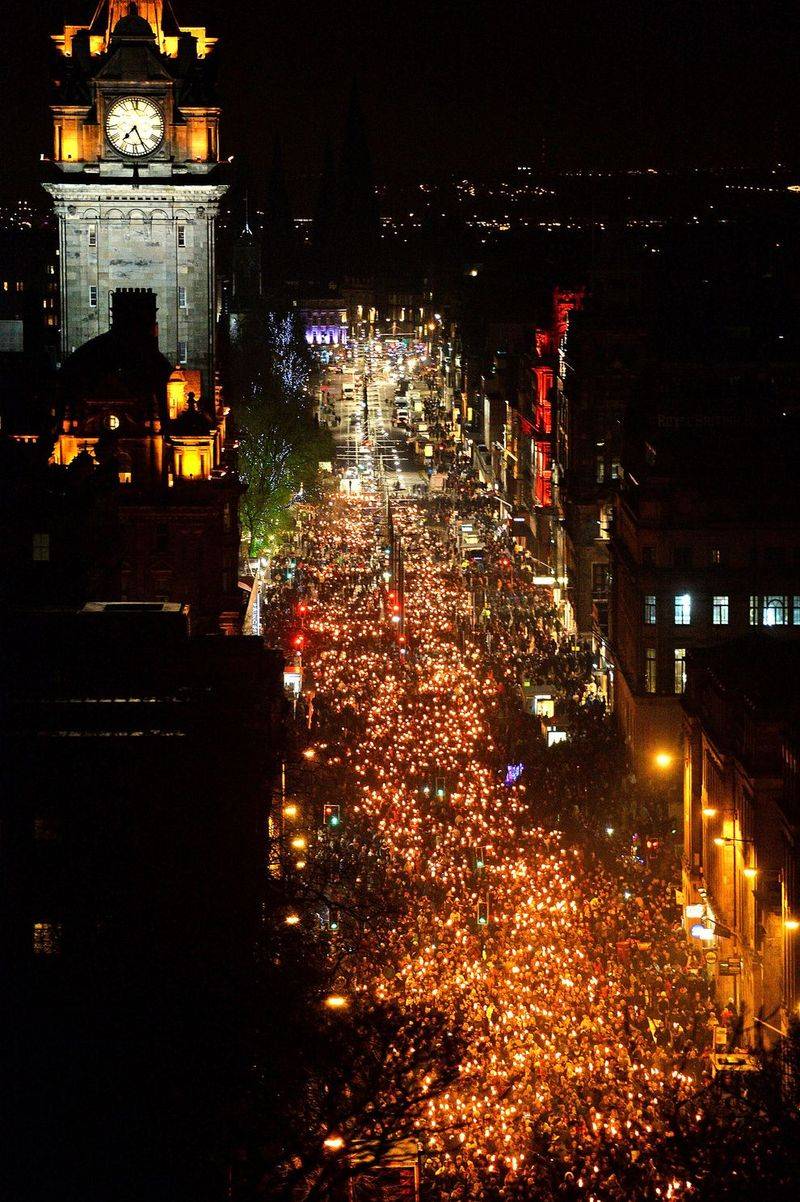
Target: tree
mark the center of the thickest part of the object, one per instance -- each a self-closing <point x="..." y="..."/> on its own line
<point x="280" y="443"/>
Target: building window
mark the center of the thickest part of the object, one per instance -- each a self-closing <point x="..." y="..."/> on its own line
<point x="162" y="536"/>
<point x="650" y="611"/>
<point x="683" y="609"/>
<point x="183" y="352"/>
<point x="599" y="579"/>
<point x="775" y="612"/>
<point x="181" y="235"/>
<point x="716" y="557"/>
<point x="41" y="548"/>
<point x="47" y="938"/>
<point x="650" y="677"/>
<point x="93" y="296"/>
<point x="182" y="302"/>
<point x="601" y="469"/>
<point x="754" y="612"/>
<point x="616" y="470"/>
<point x="93" y="236"/>
<point x="680" y="669"/>
<point x="719" y="611"/>
<point x="648" y="557"/>
<point x="796" y="610"/>
<point x="682" y="557"/>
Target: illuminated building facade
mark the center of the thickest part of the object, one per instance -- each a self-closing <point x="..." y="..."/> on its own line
<point x="741" y="849"/>
<point x="125" y="414"/>
<point x="135" y="177"/>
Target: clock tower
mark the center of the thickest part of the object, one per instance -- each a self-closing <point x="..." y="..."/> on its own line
<point x="136" y="178"/>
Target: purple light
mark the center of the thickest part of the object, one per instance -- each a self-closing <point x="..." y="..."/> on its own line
<point x="513" y="773"/>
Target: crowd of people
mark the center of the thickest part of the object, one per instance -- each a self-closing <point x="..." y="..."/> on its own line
<point x="585" y="1015"/>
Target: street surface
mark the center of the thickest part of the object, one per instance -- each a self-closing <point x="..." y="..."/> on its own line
<point x="564" y="972"/>
<point x="366" y="434"/>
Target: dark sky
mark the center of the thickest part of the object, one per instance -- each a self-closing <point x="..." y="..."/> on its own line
<point x="466" y="86"/>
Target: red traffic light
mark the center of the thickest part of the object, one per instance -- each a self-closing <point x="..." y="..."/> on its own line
<point x="298" y="642"/>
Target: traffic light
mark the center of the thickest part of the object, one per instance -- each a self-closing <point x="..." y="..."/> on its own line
<point x="480" y="858"/>
<point x="440" y="789"/>
<point x="483" y="913"/>
<point x="332" y="816"/>
<point x="299" y="641"/>
<point x="333" y="919"/>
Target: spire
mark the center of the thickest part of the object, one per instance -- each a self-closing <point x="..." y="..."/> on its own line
<point x="279" y="247"/>
<point x="357" y="218"/>
<point x="325" y="210"/>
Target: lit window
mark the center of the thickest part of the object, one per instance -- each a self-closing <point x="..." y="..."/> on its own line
<point x="181" y="235"/>
<point x="775" y="611"/>
<point x="183" y="352"/>
<point x="680" y="669"/>
<point x="683" y="610"/>
<point x="754" y="610"/>
<point x="47" y="938"/>
<point x="616" y="470"/>
<point x="650" y="677"/>
<point x="650" y="611"/>
<point x="716" y="557"/>
<point x="796" y="610"/>
<point x="182" y="302"/>
<point x="601" y="469"/>
<point x="41" y="548"/>
<point x="720" y="611"/>
<point x="93" y="237"/>
<point x="93" y="296"/>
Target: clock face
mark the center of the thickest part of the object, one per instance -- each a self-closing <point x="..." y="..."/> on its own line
<point x="135" y="126"/>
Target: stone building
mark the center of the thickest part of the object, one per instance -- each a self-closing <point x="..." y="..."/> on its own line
<point x="136" y="177"/>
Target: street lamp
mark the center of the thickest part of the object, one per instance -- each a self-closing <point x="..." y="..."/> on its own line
<point x="336" y="1001"/>
<point x="663" y="760"/>
<point x="791" y="924"/>
<point x="334" y="1143"/>
<point x="709" y="812"/>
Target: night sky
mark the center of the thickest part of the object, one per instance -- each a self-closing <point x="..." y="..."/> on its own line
<point x="468" y="87"/>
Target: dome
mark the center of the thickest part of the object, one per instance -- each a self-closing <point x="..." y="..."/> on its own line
<point x="133" y="26"/>
<point x="128" y="373"/>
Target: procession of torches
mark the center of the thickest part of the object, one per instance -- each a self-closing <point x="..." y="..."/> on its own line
<point x="561" y="972"/>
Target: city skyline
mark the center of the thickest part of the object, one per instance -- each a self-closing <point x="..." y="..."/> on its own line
<point x="472" y="89"/>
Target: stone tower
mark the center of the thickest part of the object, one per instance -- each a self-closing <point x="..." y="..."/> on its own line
<point x="136" y="177"/>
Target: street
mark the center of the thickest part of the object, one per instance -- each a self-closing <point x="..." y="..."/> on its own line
<point x="562" y="966"/>
<point x="367" y="435"/>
